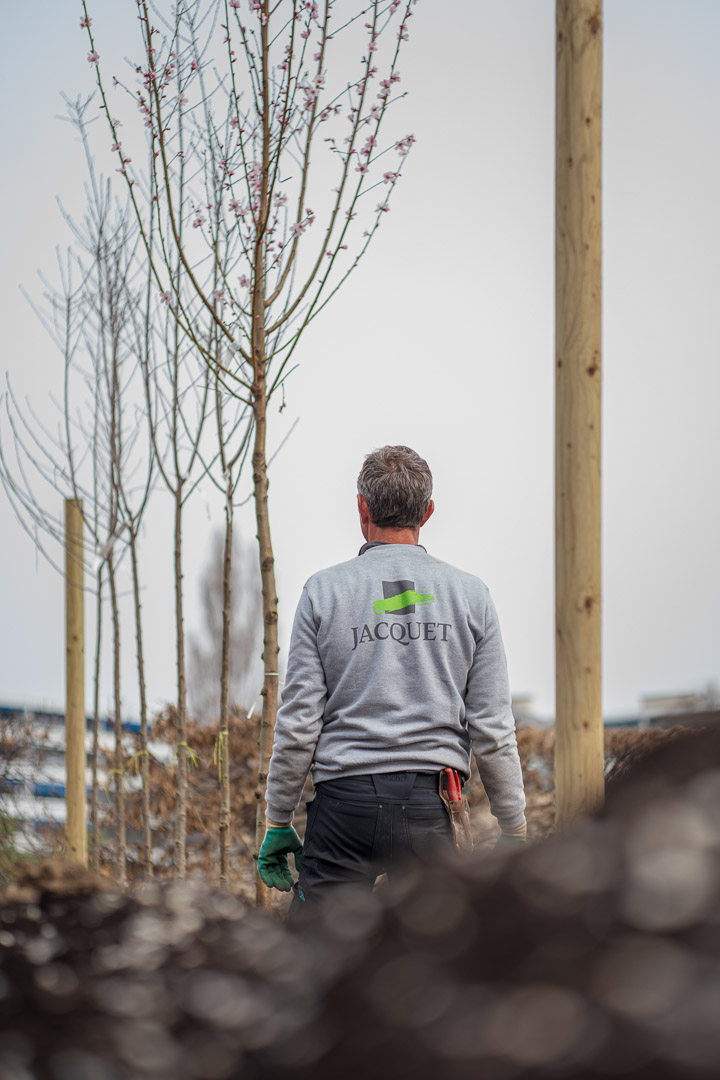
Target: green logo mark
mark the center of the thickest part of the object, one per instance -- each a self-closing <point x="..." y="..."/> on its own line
<point x="402" y="600"/>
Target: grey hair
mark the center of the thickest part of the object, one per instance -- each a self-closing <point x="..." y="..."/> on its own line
<point x="396" y="484"/>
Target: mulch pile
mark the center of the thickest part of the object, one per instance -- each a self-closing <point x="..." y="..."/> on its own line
<point x="594" y="954"/>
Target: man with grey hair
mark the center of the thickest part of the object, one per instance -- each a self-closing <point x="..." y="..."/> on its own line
<point x="396" y="672"/>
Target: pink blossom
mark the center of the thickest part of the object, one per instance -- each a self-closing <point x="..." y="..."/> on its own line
<point x="395" y="77"/>
<point x="165" y="297"/>
<point x="244" y="282"/>
<point x="361" y="168"/>
<point x="93" y="57"/>
<point x="372" y="47"/>
<point x="394" y="6"/>
<point x="234" y="122"/>
<point x="318" y="56"/>
<point x="218" y="294"/>
<point x="367" y="148"/>
<point x="403" y="147"/>
<point x="85" y="22"/>
<point x="349" y="214"/>
<point x="305" y="34"/>
<point x="255" y="176"/>
<point x="235" y="4"/>
<point x="115" y="147"/>
<point x="297" y="230"/>
<point x="199" y="220"/>
<point x="194" y="66"/>
<point x="281" y="199"/>
<point x="382" y="207"/>
<point x="235" y="206"/>
<point x="403" y="34"/>
<point x="182" y="100"/>
<point x="390" y="177"/>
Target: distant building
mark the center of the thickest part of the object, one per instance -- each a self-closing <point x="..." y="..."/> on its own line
<point x="522" y="709"/>
<point x="700" y="709"/>
<point x="32" y="769"/>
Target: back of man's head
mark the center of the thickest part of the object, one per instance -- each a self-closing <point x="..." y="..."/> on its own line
<point x="396" y="483"/>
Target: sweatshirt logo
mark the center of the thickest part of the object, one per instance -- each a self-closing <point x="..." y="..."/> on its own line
<point x="400" y="598"/>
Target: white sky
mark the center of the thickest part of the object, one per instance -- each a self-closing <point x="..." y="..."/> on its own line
<point x="444" y="340"/>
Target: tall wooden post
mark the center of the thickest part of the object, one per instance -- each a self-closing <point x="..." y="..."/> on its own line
<point x="579" y="724"/>
<point x="75" y="798"/>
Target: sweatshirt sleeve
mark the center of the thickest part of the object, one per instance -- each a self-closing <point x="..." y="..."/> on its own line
<point x="492" y="726"/>
<point x="299" y="720"/>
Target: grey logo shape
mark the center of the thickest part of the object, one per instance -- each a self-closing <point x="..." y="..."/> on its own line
<point x="394" y="588"/>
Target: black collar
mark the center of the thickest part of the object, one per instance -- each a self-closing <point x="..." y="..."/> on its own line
<point x="384" y="543"/>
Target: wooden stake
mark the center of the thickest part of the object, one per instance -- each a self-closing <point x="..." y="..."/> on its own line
<point x="579" y="725"/>
<point x="75" y="795"/>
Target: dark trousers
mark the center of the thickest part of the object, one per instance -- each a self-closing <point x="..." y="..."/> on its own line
<point x="363" y="826"/>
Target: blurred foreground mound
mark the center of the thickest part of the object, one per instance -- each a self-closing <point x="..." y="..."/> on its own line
<point x="593" y="954"/>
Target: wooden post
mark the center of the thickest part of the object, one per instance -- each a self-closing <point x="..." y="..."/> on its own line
<point x="75" y="797"/>
<point x="579" y="783"/>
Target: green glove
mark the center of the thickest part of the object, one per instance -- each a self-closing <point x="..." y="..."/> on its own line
<point x="273" y="858"/>
<point x="510" y="841"/>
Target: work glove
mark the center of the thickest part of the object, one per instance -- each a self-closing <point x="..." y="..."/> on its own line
<point x="273" y="857"/>
<point x="513" y="837"/>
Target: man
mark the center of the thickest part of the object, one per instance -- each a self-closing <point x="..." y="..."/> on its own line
<point x="396" y="671"/>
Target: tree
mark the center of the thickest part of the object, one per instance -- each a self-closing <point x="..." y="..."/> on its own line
<point x="225" y="668"/>
<point x="236" y="101"/>
<point x="205" y="648"/>
<point x="102" y="452"/>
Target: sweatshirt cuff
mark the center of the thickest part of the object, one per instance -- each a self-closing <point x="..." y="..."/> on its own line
<point x="512" y="822"/>
<point x="278" y="818"/>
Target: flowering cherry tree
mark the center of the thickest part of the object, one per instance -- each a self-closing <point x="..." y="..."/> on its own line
<point x="268" y="174"/>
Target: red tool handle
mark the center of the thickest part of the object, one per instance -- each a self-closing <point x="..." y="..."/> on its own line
<point x="453" y="785"/>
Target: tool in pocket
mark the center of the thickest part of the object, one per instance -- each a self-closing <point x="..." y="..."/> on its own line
<point x="457" y="808"/>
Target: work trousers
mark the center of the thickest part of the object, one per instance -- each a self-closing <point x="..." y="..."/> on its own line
<point x="362" y="826"/>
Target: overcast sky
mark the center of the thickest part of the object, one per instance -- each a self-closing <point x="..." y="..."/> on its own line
<point x="444" y="340"/>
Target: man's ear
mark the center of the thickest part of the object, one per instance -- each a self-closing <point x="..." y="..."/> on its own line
<point x="363" y="509"/>
<point x="428" y="513"/>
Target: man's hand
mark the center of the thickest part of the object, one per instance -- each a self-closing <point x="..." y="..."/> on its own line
<point x="273" y="858"/>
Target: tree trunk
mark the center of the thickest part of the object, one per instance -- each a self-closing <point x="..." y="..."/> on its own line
<point x="119" y="770"/>
<point x="144" y="762"/>
<point x="182" y="747"/>
<point x="75" y="752"/>
<point x="579" y="723"/>
<point x="270" y="639"/>
<point x="94" y="815"/>
<point x="260" y="479"/>
<point x="223" y="748"/>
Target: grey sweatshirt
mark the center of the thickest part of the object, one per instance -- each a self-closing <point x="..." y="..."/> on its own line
<point x="396" y="664"/>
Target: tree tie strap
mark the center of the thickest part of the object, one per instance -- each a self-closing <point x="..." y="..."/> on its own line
<point x="220" y="753"/>
<point x="192" y="755"/>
